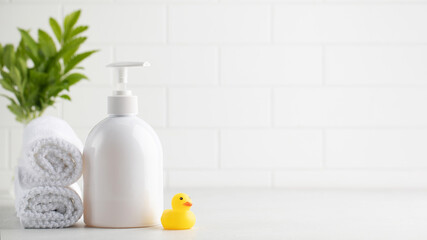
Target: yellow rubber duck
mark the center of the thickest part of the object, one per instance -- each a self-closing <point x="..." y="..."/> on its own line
<point x="179" y="217"/>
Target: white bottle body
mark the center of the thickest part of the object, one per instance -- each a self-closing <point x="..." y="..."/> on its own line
<point x="123" y="174"/>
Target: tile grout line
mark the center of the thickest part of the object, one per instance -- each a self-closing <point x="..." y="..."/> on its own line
<point x="167" y="106"/>
<point x="257" y="86"/>
<point x="302" y="169"/>
<point x="267" y="127"/>
<point x="219" y="69"/>
<point x="272" y="105"/>
<point x="323" y="49"/>
<point x="219" y="158"/>
<point x="272" y="23"/>
<point x="61" y="13"/>
<point x="167" y="22"/>
<point x="354" y="3"/>
<point x="167" y="178"/>
<point x="112" y="50"/>
<point x="113" y="57"/>
<point x="323" y="131"/>
<point x="255" y="2"/>
<point x="9" y="149"/>
<point x="272" y="178"/>
<point x="62" y="102"/>
<point x="61" y="111"/>
<point x="324" y="161"/>
<point x="274" y="44"/>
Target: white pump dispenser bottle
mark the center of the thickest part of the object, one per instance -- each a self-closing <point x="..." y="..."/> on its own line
<point x="122" y="164"/>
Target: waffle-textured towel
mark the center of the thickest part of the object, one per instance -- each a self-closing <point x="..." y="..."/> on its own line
<point x="50" y="162"/>
<point x="51" y="154"/>
<point x="48" y="206"/>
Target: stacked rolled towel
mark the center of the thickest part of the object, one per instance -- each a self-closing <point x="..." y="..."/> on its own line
<point x="49" y="166"/>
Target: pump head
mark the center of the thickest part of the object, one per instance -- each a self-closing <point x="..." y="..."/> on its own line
<point x="121" y="75"/>
<point x="122" y="102"/>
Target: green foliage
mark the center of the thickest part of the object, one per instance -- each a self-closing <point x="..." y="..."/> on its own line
<point x="37" y="73"/>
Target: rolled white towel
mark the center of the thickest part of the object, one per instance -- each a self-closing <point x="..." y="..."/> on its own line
<point x="48" y="206"/>
<point x="51" y="154"/>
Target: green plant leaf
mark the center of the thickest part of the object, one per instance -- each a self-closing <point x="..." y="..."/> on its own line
<point x="76" y="31"/>
<point x="6" y="76"/>
<point x="33" y="97"/>
<point x="16" y="77"/>
<point x="77" y="59"/>
<point x="53" y="91"/>
<point x="6" y="85"/>
<point x="31" y="47"/>
<point x="38" y="78"/>
<point x="65" y="96"/>
<point x="21" y="52"/>
<point x="7" y="82"/>
<point x="56" y="29"/>
<point x="9" y="56"/>
<point x="22" y="67"/>
<point x="10" y="99"/>
<point x="15" y="109"/>
<point x="46" y="44"/>
<point x="74" y="78"/>
<point x="1" y="56"/>
<point x="35" y="85"/>
<point x="69" y="22"/>
<point x="28" y="40"/>
<point x="70" y="48"/>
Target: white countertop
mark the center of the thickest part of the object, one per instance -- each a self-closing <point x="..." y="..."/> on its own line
<point x="267" y="214"/>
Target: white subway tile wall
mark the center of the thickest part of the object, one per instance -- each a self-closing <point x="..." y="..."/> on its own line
<point x="4" y="149"/>
<point x="376" y="65"/>
<point x="350" y="179"/>
<point x="98" y="75"/>
<point x="26" y="16"/>
<point x="222" y="178"/>
<point x="271" y="149"/>
<point x="123" y="23"/>
<point x="218" y="23"/>
<point x="173" y="65"/>
<point x="350" y="106"/>
<point x="271" y="65"/>
<point x="350" y="23"/>
<point x="219" y="107"/>
<point x="259" y="93"/>
<point x="190" y="148"/>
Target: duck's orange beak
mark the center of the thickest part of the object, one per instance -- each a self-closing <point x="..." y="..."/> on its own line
<point x="189" y="204"/>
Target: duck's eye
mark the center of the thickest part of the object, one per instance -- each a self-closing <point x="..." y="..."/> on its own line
<point x="181" y="198"/>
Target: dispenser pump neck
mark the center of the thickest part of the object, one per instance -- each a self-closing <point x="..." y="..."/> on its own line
<point x="122" y="102"/>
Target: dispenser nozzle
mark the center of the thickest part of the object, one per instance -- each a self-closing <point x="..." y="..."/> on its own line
<point x="122" y="75"/>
